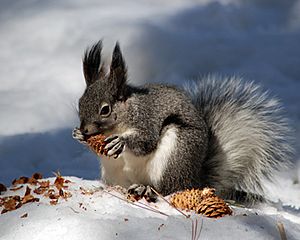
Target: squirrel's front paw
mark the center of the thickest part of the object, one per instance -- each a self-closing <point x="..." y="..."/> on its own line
<point x="139" y="191"/>
<point x="77" y="134"/>
<point x="114" y="145"/>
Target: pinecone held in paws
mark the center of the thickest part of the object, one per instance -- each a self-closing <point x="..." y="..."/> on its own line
<point x="97" y="144"/>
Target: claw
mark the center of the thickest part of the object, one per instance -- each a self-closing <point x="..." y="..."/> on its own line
<point x="139" y="191"/>
<point x="114" y="146"/>
<point x="77" y="134"/>
<point x="110" y="138"/>
<point x="112" y="143"/>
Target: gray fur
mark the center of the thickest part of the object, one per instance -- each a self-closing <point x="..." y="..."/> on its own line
<point x="228" y="135"/>
<point x="250" y="136"/>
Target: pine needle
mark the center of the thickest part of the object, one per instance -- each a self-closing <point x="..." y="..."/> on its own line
<point x="281" y="230"/>
<point x="140" y="205"/>
<point x="163" y="198"/>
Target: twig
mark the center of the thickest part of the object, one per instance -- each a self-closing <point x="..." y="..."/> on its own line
<point x="281" y="231"/>
<point x="140" y="205"/>
<point x="200" y="230"/>
<point x="163" y="198"/>
<point x="193" y="230"/>
<point x="74" y="210"/>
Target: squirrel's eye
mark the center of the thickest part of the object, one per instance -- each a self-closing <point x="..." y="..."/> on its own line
<point x="105" y="110"/>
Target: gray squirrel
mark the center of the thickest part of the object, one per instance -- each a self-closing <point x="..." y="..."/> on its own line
<point x="215" y="132"/>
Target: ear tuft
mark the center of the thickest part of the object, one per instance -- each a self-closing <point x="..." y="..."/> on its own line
<point x="118" y="71"/>
<point x="117" y="58"/>
<point x="92" y="68"/>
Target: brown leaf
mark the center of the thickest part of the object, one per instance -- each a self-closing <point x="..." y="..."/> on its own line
<point x="4" y="211"/>
<point x="25" y="215"/>
<point x="44" y="184"/>
<point x="27" y="192"/>
<point x="2" y="188"/>
<point x="86" y="192"/>
<point x="29" y="198"/>
<point x="54" y="196"/>
<point x="32" y="181"/>
<point x="40" y="190"/>
<point x="11" y="204"/>
<point x="61" y="192"/>
<point x="16" y="197"/>
<point x="21" y="180"/>
<point x="54" y="202"/>
<point x="37" y="176"/>
<point x="59" y="182"/>
<point x="16" y="188"/>
<point x="67" y="194"/>
<point x="49" y="192"/>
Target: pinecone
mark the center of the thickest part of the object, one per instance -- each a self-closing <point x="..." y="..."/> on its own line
<point x="213" y="207"/>
<point x="188" y="199"/>
<point x="97" y="144"/>
<point x="201" y="201"/>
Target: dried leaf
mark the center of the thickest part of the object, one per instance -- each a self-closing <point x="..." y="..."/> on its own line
<point x="4" y="211"/>
<point x="10" y="203"/>
<point x="40" y="190"/>
<point x="160" y="226"/>
<point x="28" y="191"/>
<point x="54" y="196"/>
<point x="16" y="188"/>
<point x="44" y="184"/>
<point x="67" y="194"/>
<point x="25" y="215"/>
<point x="32" y="181"/>
<point x="29" y="198"/>
<point x="61" y="192"/>
<point x="49" y="192"/>
<point x="86" y="191"/>
<point x="37" y="176"/>
<point x="2" y="188"/>
<point x="54" y="202"/>
<point x="21" y="180"/>
<point x="59" y="182"/>
<point x="64" y="194"/>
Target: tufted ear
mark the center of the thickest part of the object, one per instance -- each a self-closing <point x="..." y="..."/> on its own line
<point x="118" y="70"/>
<point x="92" y="68"/>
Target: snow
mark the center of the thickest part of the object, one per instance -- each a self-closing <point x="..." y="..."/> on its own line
<point x="41" y="46"/>
<point x="103" y="215"/>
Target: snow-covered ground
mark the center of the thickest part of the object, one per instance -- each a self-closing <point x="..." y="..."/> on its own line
<point x="92" y="213"/>
<point x="41" y="46"/>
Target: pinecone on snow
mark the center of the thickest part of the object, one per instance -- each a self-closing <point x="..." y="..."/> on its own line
<point x="201" y="201"/>
<point x="213" y="207"/>
<point x="97" y="144"/>
<point x="188" y="199"/>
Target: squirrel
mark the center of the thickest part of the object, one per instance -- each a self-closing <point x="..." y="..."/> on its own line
<point x="216" y="132"/>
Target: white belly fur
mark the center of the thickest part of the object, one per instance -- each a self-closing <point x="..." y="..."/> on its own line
<point x="129" y="168"/>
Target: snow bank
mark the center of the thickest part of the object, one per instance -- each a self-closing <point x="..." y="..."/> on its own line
<point x="103" y="216"/>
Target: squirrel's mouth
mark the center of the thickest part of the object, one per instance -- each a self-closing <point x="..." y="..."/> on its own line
<point x="96" y="129"/>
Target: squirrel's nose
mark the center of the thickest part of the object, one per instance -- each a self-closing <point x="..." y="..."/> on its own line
<point x="89" y="129"/>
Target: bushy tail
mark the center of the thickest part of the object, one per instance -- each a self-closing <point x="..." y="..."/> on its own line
<point x="250" y="138"/>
